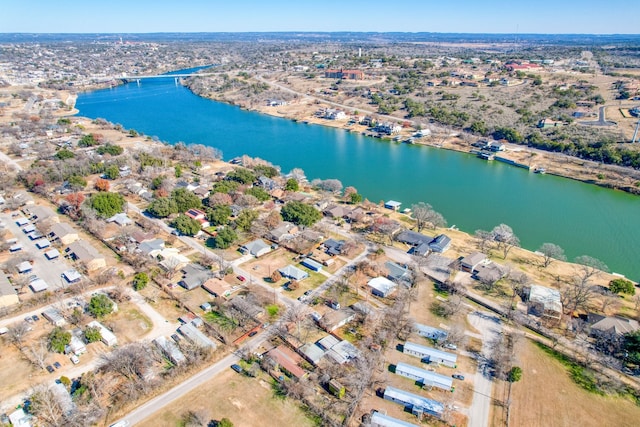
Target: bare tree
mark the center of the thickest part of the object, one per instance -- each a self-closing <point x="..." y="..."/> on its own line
<point x="46" y="405"/>
<point x="194" y="418"/>
<point x="17" y="333"/>
<point x="424" y="214"/>
<point x="550" y="252"/>
<point x="505" y="238"/>
<point x="589" y="267"/>
<point x="484" y="237"/>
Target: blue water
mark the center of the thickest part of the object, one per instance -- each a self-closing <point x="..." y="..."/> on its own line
<point x="471" y="193"/>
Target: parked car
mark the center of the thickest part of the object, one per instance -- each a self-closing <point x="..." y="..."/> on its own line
<point x="458" y="376"/>
<point x="308" y="292"/>
<point x="35" y="317"/>
<point x="50" y="369"/>
<point x="241" y="278"/>
<point x="237" y="368"/>
<point x="175" y="337"/>
<point x="450" y="346"/>
<point x="74" y="359"/>
<point x="57" y="365"/>
<point x="253" y="333"/>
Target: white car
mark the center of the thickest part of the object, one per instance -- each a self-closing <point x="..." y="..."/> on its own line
<point x="74" y="359"/>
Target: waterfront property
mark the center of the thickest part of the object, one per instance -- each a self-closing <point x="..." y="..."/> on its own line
<point x="429" y="354"/>
<point x="424" y="377"/>
<point x="544" y="302"/>
<point x="417" y="404"/>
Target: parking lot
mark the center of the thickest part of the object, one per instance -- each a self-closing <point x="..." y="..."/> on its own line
<point x="48" y="270"/>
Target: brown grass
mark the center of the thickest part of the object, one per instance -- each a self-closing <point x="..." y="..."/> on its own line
<point x="547" y="396"/>
<point x="245" y="401"/>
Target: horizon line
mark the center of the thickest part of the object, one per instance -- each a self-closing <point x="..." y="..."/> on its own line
<point x="318" y="32"/>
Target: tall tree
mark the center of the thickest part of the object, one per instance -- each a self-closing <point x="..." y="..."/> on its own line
<point x="550" y="252"/>
<point x="504" y="236"/>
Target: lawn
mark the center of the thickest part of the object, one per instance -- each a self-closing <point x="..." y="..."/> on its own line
<point x="245" y="401"/>
<point x="548" y="396"/>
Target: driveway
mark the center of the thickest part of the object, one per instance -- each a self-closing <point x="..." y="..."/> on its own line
<point x="490" y="327"/>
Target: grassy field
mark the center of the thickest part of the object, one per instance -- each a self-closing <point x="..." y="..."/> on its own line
<point x="548" y="396"/>
<point x="245" y="401"/>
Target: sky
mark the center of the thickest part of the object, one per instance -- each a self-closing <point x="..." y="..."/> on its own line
<point x="441" y="16"/>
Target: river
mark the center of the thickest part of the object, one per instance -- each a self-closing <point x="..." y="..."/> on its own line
<point x="471" y="193"/>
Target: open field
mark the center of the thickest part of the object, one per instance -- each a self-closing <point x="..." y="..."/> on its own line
<point x="245" y="401"/>
<point x="547" y="396"/>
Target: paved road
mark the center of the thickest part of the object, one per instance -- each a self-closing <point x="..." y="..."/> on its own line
<point x="602" y="119"/>
<point x="490" y="327"/>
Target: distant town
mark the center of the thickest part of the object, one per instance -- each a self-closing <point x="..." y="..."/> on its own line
<point x="145" y="283"/>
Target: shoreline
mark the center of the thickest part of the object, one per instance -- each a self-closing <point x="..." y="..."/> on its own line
<point x="556" y="164"/>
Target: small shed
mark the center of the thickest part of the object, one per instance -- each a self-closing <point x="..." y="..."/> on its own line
<point x="71" y="275"/>
<point x="311" y="264"/>
<point x="38" y="285"/>
<point x="393" y="205"/>
<point x="24" y="267"/>
<point x="43" y="243"/>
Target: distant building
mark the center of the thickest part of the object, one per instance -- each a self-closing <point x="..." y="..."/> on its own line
<point x="612" y="325"/>
<point x="287" y="360"/>
<point x="470" y="262"/>
<point x="344" y="74"/>
<point x="335" y="319"/>
<point x="63" y="231"/>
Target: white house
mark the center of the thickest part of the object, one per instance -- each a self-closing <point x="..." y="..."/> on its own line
<point x="430" y="355"/>
<point x="107" y="336"/>
<point x="256" y="248"/>
<point x="381" y="286"/>
<point x="424" y="377"/>
<point x="419" y="405"/>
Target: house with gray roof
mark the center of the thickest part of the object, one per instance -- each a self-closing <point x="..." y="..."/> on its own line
<point x="440" y="243"/>
<point x="293" y="272"/>
<point x="256" y="248"/>
<point x="417" y="404"/>
<point x="431" y="332"/>
<point x="333" y="247"/>
<point x="195" y="336"/>
<point x="378" y="419"/>
<point x="194" y="275"/>
<point x="151" y="248"/>
<point x="170" y="350"/>
<point x="63" y="231"/>
<point x="612" y="325"/>
<point x="429" y="354"/>
<point x="398" y="273"/>
<point x="424" y="377"/>
<point x="471" y="262"/>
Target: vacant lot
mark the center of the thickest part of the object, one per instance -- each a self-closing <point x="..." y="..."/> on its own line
<point x="547" y="396"/>
<point x="245" y="401"/>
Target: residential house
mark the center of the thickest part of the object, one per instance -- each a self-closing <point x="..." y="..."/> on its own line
<point x="172" y="260"/>
<point x="544" y="302"/>
<point x="218" y="288"/>
<point x="82" y="251"/>
<point x="107" y="337"/>
<point x="54" y="316"/>
<point x="398" y="273"/>
<point x="431" y="332"/>
<point x="76" y="345"/>
<point x="202" y="192"/>
<point x="333" y="247"/>
<point x="284" y="231"/>
<point x="471" y="262"/>
<point x="8" y="295"/>
<point x="199" y="216"/>
<point x="38" y="285"/>
<point x="418" y="405"/>
<point x="430" y="355"/>
<point x="248" y="307"/>
<point x="440" y="243"/>
<point x="393" y="205"/>
<point x="336" y="211"/>
<point x="333" y="114"/>
<point x="170" y="350"/>
<point x="151" y="248"/>
<point x="438" y="267"/>
<point x="194" y="275"/>
<point x="39" y="213"/>
<point x="424" y="377"/>
<point x="195" y="336"/>
<point x="378" y="419"/>
<point x="257" y="248"/>
<point x="287" y="360"/>
<point x="489" y="272"/>
<point x="138" y="236"/>
<point x="121" y="219"/>
<point x="63" y="231"/>
<point x="293" y="272"/>
<point x="603" y="325"/>
<point x="267" y="183"/>
<point x="335" y="319"/>
<point x="419" y="242"/>
<point x="388" y="128"/>
<point x="312" y="353"/>
<point x="550" y="123"/>
<point x="342" y="352"/>
<point x="382" y="287"/>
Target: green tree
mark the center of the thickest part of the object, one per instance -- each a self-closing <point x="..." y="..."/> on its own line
<point x="623" y="286"/>
<point x="245" y="219"/>
<point x="107" y="204"/>
<point x="157" y="181"/>
<point x="64" y="154"/>
<point x="100" y="305"/>
<point x="355" y="198"/>
<point x="225" y="237"/>
<point x="114" y="150"/>
<point x="112" y="172"/>
<point x="243" y="176"/>
<point x="178" y="171"/>
<point x="515" y="374"/>
<point x="92" y="334"/>
<point x="265" y="170"/>
<point x="185" y="199"/>
<point x="479" y="127"/>
<point x="224" y="187"/>
<point x="77" y="182"/>
<point x="140" y="281"/>
<point x="509" y="134"/>
<point x="88" y="141"/>
<point x="631" y="347"/>
<point x="225" y="422"/>
<point x="219" y="215"/>
<point x="59" y="339"/>
<point x="292" y="185"/>
<point x="162" y="207"/>
<point x="259" y="193"/>
<point x="185" y="225"/>
<point x="300" y="213"/>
